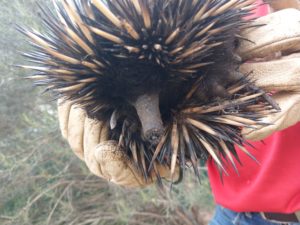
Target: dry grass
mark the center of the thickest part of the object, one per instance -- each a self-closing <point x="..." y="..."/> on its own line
<point x="73" y="197"/>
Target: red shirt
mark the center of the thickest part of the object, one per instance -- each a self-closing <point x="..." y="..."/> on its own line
<point x="272" y="186"/>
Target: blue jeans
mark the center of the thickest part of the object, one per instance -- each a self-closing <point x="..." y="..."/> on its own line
<point x="225" y="216"/>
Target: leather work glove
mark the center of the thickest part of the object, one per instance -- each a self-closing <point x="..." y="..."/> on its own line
<point x="88" y="139"/>
<point x="283" y="4"/>
<point x="278" y="39"/>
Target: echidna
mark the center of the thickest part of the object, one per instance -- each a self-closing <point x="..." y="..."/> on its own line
<point x="163" y="74"/>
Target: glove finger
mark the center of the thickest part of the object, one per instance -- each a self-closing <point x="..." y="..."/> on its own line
<point x="92" y="134"/>
<point x="63" y="109"/>
<point x="104" y="135"/>
<point x="280" y="32"/>
<point x="276" y="75"/>
<point x="117" y="167"/>
<point x="76" y="130"/>
<point x="290" y="106"/>
<point x="283" y="4"/>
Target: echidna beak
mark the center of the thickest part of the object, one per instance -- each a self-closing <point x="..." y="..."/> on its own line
<point x="147" y="107"/>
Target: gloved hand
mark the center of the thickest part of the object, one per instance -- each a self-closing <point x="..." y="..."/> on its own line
<point x="278" y="39"/>
<point x="88" y="139"/>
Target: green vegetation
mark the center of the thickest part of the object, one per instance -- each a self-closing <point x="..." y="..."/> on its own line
<point x="42" y="182"/>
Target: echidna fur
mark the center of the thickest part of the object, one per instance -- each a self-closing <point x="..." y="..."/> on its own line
<point x="105" y="54"/>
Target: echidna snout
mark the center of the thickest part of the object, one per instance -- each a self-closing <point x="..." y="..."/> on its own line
<point x="147" y="107"/>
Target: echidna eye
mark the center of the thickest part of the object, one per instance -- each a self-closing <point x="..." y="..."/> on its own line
<point x="236" y="43"/>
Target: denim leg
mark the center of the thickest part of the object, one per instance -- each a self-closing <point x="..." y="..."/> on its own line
<point x="225" y="216"/>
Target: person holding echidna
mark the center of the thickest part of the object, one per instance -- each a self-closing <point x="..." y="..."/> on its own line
<point x="146" y="87"/>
